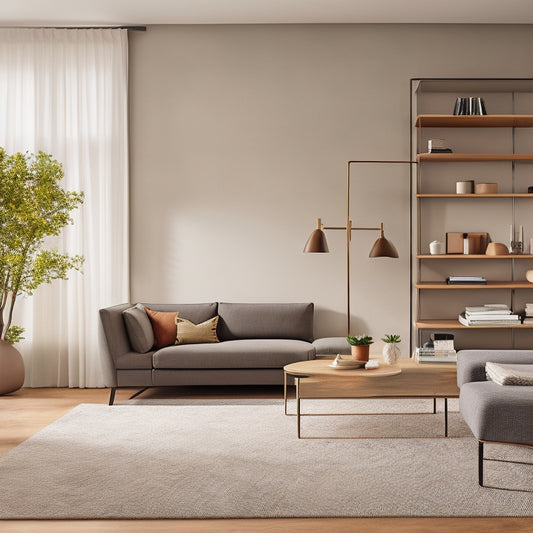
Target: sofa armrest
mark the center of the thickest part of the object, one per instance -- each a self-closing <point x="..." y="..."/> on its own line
<point x="471" y="363"/>
<point x="115" y="331"/>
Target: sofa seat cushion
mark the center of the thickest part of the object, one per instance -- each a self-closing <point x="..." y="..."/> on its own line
<point x="134" y="361"/>
<point x="246" y="353"/>
<point x="498" y="414"/>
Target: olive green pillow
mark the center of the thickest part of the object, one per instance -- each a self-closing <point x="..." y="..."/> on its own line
<point x="189" y="333"/>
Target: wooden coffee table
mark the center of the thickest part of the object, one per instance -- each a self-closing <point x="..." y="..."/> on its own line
<point x="315" y="379"/>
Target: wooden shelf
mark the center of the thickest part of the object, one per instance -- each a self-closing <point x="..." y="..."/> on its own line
<point x="442" y="285"/>
<point x="455" y="324"/>
<point x="474" y="121"/>
<point x="496" y="195"/>
<point x="474" y="256"/>
<point x="456" y="157"/>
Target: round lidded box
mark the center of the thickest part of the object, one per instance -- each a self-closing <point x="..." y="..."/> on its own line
<point x="486" y="188"/>
<point x="464" y="187"/>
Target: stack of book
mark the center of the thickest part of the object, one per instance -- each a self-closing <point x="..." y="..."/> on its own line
<point x="489" y="315"/>
<point x="529" y="314"/>
<point x="466" y="280"/>
<point x="428" y="355"/>
<point x="440" y="350"/>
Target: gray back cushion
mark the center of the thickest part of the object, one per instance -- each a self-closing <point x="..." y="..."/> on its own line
<point x="471" y="363"/>
<point x="139" y="328"/>
<point x="265" y="321"/>
<point x="196" y="313"/>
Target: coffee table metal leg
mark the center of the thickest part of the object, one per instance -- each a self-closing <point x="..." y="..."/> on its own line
<point x="297" y="380"/>
<point x="285" y="391"/>
<point x="434" y="406"/>
<point x="445" y="417"/>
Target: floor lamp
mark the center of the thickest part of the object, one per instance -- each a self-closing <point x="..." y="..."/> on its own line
<point x="317" y="242"/>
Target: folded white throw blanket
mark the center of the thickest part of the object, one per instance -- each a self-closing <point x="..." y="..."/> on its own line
<point x="510" y="374"/>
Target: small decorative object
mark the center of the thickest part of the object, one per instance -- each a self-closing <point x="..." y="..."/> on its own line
<point x="516" y="241"/>
<point x="486" y="188"/>
<point x="360" y="346"/>
<point x="497" y="248"/>
<point x="529" y="276"/>
<point x="530" y="190"/>
<point x="466" y="247"/>
<point x="464" y="187"/>
<point x="436" y="146"/>
<point x="436" y="248"/>
<point x="391" y="350"/>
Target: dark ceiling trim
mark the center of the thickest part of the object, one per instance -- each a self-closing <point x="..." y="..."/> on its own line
<point x="130" y="28"/>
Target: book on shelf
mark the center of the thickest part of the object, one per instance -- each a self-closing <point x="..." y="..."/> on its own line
<point x="499" y="309"/>
<point x="466" y="280"/>
<point x="491" y="316"/>
<point x="428" y="355"/>
<point x="508" y="321"/>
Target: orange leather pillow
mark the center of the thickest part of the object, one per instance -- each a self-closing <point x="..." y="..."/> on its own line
<point x="164" y="326"/>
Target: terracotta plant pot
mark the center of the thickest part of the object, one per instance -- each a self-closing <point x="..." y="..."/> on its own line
<point x="11" y="368"/>
<point x="361" y="353"/>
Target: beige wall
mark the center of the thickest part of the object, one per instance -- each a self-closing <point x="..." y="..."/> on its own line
<point x="239" y="141"/>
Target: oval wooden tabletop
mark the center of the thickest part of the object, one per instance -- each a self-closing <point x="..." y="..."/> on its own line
<point x="315" y="367"/>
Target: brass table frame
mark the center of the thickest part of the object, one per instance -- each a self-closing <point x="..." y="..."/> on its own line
<point x="299" y="376"/>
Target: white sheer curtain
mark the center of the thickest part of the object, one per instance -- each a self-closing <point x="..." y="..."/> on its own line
<point x="65" y="92"/>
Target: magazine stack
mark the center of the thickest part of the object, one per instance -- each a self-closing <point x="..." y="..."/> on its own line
<point x="489" y="315"/>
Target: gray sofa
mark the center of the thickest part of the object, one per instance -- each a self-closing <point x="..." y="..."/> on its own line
<point x="495" y="413"/>
<point x="256" y="341"/>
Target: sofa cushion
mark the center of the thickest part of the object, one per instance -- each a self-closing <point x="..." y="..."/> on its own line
<point x="194" y="312"/>
<point x="139" y="328"/>
<point x="265" y="321"/>
<point x="498" y="414"/>
<point x="249" y="353"/>
<point x="190" y="333"/>
<point x="164" y="326"/>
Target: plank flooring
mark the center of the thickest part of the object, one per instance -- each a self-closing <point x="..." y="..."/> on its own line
<point x="27" y="411"/>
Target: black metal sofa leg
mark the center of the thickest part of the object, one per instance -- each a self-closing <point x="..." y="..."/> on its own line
<point x="480" y="463"/>
<point x="112" y="395"/>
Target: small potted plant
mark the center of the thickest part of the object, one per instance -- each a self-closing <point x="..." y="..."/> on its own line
<point x="360" y="346"/>
<point x="391" y="350"/>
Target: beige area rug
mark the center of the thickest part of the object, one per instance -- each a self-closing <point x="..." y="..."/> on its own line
<point x="237" y="459"/>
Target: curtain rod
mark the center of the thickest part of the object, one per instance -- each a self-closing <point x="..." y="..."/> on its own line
<point x="131" y="28"/>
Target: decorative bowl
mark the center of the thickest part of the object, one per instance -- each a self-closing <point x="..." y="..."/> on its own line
<point x="497" y="248"/>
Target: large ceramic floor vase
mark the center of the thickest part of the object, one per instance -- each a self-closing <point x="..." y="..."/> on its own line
<point x="11" y="368"/>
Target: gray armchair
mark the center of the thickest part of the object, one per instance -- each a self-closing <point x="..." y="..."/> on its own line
<point x="495" y="413"/>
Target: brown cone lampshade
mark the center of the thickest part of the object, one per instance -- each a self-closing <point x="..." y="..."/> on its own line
<point x="317" y="243"/>
<point x="383" y="248"/>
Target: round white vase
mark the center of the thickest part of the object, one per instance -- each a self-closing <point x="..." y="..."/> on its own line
<point x="11" y="368"/>
<point x="391" y="353"/>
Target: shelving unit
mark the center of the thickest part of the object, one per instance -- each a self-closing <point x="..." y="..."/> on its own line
<point x="501" y="144"/>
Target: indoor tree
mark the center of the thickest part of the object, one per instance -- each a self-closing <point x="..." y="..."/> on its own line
<point x="33" y="207"/>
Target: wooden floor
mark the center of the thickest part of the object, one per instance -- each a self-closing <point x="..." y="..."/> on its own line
<point x="27" y="411"/>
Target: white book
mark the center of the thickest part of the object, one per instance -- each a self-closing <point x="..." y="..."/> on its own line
<point x="481" y="317"/>
<point x="489" y="308"/>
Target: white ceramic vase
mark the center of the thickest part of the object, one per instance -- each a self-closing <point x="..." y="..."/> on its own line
<point x="391" y="353"/>
<point x="11" y="368"/>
